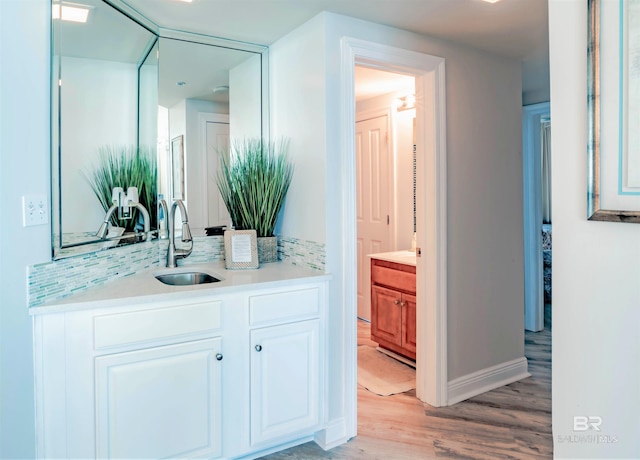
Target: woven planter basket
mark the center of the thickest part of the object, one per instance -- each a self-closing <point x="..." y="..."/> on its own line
<point x="267" y="249"/>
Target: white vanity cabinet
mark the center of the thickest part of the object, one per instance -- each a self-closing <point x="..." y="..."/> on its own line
<point x="160" y="402"/>
<point x="285" y="364"/>
<point x="230" y="375"/>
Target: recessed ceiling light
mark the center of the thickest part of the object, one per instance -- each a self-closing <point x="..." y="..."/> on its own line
<point x="72" y="12"/>
<point x="491" y="1"/>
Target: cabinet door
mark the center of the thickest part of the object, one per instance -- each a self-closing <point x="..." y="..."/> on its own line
<point x="285" y="380"/>
<point x="409" y="324"/>
<point x="160" y="402"/>
<point x="386" y="316"/>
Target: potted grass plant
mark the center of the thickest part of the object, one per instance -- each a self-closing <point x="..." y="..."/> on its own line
<point x="126" y="166"/>
<point x="253" y="181"/>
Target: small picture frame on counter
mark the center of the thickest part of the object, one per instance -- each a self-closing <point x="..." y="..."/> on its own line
<point x="240" y="249"/>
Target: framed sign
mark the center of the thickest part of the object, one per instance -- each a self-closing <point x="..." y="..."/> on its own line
<point x="240" y="249"/>
<point x="613" y="107"/>
<point x="177" y="167"/>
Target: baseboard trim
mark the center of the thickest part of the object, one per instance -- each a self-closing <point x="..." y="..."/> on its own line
<point x="487" y="379"/>
<point x="333" y="435"/>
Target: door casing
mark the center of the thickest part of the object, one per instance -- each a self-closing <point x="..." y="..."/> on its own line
<point x="431" y="359"/>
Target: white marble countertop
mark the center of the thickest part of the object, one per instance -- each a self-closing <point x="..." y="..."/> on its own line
<point x="399" y="257"/>
<point x="143" y="287"/>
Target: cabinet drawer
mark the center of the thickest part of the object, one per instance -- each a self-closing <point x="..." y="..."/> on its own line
<point x="393" y="278"/>
<point x="283" y="306"/>
<point x="126" y="328"/>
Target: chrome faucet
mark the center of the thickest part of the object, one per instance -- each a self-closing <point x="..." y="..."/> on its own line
<point x="174" y="254"/>
<point x="120" y="201"/>
<point x="104" y="227"/>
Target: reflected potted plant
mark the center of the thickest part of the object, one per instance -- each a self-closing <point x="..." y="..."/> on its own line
<point x="253" y="180"/>
<point x="126" y="166"/>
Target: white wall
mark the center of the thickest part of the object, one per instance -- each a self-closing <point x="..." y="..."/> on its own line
<point x="596" y="272"/>
<point x="298" y="112"/>
<point x="24" y="168"/>
<point x="485" y="234"/>
<point x="245" y="99"/>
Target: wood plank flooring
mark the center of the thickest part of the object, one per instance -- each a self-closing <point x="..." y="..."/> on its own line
<point x="511" y="422"/>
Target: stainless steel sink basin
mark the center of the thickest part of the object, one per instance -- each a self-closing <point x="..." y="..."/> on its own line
<point x="186" y="279"/>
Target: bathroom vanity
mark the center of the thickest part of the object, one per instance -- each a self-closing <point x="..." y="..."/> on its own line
<point x="137" y="368"/>
<point x="393" y="302"/>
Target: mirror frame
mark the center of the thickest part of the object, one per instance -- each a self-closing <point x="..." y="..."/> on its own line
<point x="70" y="250"/>
<point x="594" y="191"/>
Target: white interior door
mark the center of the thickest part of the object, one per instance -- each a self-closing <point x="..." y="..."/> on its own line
<point x="217" y="140"/>
<point x="373" y="190"/>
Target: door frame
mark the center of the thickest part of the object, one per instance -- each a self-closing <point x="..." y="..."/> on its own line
<point x="431" y="359"/>
<point x="532" y="205"/>
<point x="203" y="119"/>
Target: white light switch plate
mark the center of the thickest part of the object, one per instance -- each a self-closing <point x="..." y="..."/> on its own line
<point x="34" y="210"/>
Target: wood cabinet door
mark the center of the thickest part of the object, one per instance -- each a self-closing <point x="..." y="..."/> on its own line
<point x="161" y="402"/>
<point x="409" y="324"/>
<point x="386" y="315"/>
<point x="285" y="380"/>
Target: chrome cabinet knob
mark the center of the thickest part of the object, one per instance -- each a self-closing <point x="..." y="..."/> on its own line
<point x="258" y="347"/>
<point x="219" y="356"/>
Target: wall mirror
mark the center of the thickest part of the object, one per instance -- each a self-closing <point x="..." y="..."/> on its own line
<point x="135" y="91"/>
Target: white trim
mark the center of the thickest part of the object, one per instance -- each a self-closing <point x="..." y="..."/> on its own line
<point x="203" y="119"/>
<point x="431" y="281"/>
<point x="487" y="379"/>
<point x="532" y="204"/>
<point x="334" y="434"/>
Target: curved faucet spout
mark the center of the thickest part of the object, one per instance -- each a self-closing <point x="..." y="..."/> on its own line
<point x="174" y="254"/>
<point x="147" y="220"/>
<point x="104" y="227"/>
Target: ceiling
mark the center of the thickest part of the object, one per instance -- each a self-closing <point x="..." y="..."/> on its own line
<point x="512" y="28"/>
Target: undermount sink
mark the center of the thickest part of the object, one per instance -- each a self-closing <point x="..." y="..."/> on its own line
<point x="186" y="279"/>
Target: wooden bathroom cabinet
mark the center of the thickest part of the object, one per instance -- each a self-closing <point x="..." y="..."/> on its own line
<point x="393" y="306"/>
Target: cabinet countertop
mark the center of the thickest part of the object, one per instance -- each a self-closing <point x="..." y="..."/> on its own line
<point x="399" y="257"/>
<point x="144" y="288"/>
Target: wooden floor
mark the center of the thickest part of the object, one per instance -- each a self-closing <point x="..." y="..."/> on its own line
<point x="511" y="422"/>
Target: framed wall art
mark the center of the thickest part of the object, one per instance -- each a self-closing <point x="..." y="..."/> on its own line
<point x="613" y="107"/>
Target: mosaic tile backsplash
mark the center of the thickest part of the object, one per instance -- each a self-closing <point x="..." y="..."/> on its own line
<point x="51" y="281"/>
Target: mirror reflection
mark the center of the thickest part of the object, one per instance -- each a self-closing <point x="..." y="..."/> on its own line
<point x="207" y="95"/>
<point x="96" y="89"/>
<point x="180" y="97"/>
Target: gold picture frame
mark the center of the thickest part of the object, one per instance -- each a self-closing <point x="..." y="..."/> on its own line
<point x="610" y="148"/>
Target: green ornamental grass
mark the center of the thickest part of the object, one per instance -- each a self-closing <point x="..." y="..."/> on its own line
<point x="126" y="166"/>
<point x="253" y="180"/>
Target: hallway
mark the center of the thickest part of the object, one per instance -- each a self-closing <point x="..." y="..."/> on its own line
<point x="511" y="422"/>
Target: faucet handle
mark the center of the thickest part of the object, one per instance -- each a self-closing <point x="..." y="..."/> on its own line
<point x="132" y="197"/>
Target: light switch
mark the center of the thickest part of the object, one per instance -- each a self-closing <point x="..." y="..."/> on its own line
<point x="34" y="210"/>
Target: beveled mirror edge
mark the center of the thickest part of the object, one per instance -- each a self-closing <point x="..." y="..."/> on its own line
<point x="594" y="212"/>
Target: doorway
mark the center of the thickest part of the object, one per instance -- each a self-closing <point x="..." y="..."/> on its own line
<point x="431" y="379"/>
<point x="533" y="117"/>
<point x="385" y="174"/>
